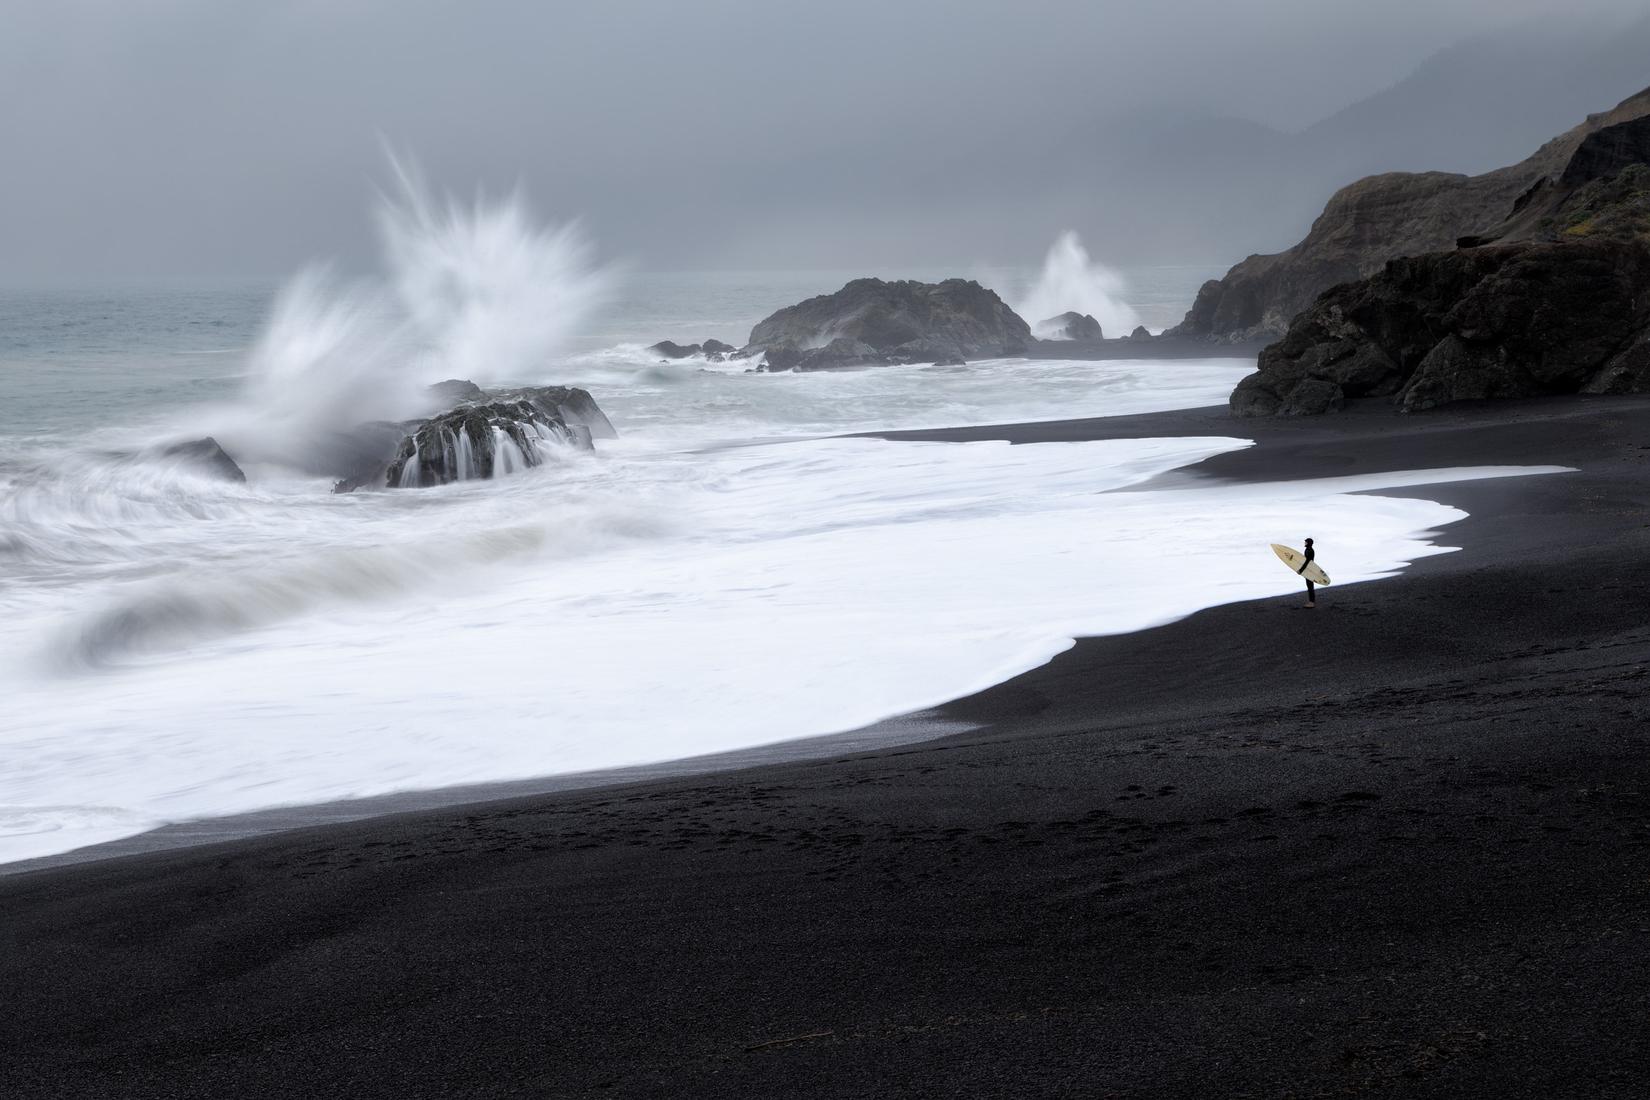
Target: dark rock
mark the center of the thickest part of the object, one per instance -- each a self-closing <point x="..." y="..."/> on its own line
<point x="780" y="357"/>
<point x="1607" y="151"/>
<point x="941" y="353"/>
<point x="454" y="390"/>
<point x="1078" y="327"/>
<point x="500" y="434"/>
<point x="1140" y="333"/>
<point x="672" y="350"/>
<point x="842" y="352"/>
<point x="1604" y="191"/>
<point x="1383" y="217"/>
<point x="206" y="456"/>
<point x="885" y="316"/>
<point x="1511" y="320"/>
<point x="713" y="350"/>
<point x="357" y="461"/>
<point x="503" y="435"/>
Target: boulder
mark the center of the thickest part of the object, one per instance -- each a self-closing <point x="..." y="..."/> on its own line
<point x="205" y="456"/>
<point x="884" y="316"/>
<point x="1512" y="320"/>
<point x="780" y="357"/>
<point x="670" y="349"/>
<point x="714" y="350"/>
<point x="1078" y="327"/>
<point x="1140" y="333"/>
<point x="499" y="434"/>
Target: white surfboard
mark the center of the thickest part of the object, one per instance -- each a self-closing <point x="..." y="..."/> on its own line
<point x="1294" y="559"/>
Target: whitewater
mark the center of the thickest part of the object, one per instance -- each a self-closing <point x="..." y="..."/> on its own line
<point x="736" y="569"/>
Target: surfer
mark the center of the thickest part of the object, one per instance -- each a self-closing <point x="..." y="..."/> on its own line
<point x="1311" y="594"/>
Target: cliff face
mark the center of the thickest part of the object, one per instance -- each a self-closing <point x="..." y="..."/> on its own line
<point x="1512" y="320"/>
<point x="1398" y="214"/>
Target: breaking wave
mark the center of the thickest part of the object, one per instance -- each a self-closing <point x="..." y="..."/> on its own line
<point x="1070" y="280"/>
<point x="484" y="291"/>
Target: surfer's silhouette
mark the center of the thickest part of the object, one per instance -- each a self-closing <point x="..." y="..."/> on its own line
<point x="1311" y="593"/>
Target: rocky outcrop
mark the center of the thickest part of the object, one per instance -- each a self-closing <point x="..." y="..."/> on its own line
<point x="205" y="456"/>
<point x="502" y="435"/>
<point x="1078" y="327"/>
<point x="489" y="436"/>
<point x="1383" y="217"/>
<point x="1140" y="333"/>
<point x="1606" y="177"/>
<point x="871" y="322"/>
<point x="670" y="349"/>
<point x="454" y="390"/>
<point x="1509" y="320"/>
<point x="711" y="349"/>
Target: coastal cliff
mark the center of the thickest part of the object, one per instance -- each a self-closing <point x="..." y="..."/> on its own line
<point x="1380" y="218"/>
<point x="1554" y="299"/>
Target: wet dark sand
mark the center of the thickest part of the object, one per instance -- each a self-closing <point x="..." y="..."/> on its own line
<point x="1399" y="845"/>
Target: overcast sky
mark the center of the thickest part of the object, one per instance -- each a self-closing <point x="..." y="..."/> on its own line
<point x="205" y="139"/>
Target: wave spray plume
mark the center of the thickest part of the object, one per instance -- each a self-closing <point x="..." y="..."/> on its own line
<point x="1070" y="280"/>
<point x="482" y="291"/>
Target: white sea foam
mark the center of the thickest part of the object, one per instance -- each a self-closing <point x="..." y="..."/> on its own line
<point x="638" y="606"/>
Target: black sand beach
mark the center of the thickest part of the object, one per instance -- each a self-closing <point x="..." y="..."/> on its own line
<point x="1399" y="845"/>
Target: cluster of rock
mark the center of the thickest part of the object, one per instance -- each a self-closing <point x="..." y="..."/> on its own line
<point x="713" y="350"/>
<point x="1553" y="299"/>
<point x="480" y="435"/>
<point x="1388" y="216"/>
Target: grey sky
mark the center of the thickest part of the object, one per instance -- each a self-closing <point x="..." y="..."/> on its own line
<point x="185" y="139"/>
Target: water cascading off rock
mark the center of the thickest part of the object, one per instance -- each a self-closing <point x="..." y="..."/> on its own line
<point x="504" y="434"/>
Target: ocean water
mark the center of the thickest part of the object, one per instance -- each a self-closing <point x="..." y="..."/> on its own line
<point x="730" y="572"/>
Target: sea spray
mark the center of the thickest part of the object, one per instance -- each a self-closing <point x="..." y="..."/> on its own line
<point x="489" y="292"/>
<point x="482" y="291"/>
<point x="1071" y="281"/>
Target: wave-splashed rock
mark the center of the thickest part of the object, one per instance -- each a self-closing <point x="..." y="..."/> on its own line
<point x="486" y="437"/>
<point x="206" y="456"/>
<point x="713" y="350"/>
<point x="1077" y="327"/>
<point x="478" y="442"/>
<point x="873" y="322"/>
<point x="504" y="435"/>
<point x="1515" y="320"/>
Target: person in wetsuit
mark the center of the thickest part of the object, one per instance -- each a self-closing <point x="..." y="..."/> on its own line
<point x="1311" y="593"/>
